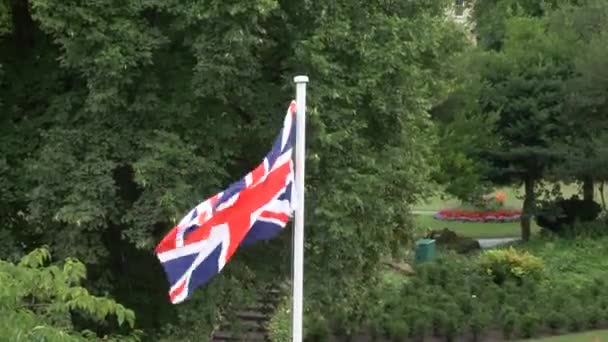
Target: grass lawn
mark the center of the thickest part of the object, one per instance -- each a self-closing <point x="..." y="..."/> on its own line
<point x="514" y="198"/>
<point x="474" y="229"/>
<point x="590" y="336"/>
<point x="443" y="201"/>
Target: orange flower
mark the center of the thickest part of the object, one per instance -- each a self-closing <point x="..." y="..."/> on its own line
<point x="500" y="196"/>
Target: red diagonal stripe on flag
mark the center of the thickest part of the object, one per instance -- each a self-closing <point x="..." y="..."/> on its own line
<point x="238" y="215"/>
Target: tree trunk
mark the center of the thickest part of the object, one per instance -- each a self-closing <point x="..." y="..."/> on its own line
<point x="602" y="196"/>
<point x="528" y="208"/>
<point x="588" y="189"/>
<point x="23" y="26"/>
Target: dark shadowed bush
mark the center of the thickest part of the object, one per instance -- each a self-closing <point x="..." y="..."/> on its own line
<point x="450" y="240"/>
<point x="560" y="215"/>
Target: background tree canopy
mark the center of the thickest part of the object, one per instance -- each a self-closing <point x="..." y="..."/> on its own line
<point x="531" y="100"/>
<point x="118" y="116"/>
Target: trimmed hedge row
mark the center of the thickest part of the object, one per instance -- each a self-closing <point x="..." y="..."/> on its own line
<point x="504" y="294"/>
<point x="500" y="294"/>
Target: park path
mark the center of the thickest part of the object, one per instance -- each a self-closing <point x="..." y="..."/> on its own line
<point x="424" y="212"/>
<point x="491" y="243"/>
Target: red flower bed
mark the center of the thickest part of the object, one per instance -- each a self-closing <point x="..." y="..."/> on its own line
<point x="503" y="215"/>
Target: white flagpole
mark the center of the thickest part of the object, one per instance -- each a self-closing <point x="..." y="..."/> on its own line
<point x="298" y="240"/>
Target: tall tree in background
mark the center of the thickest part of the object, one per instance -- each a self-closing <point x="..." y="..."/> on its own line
<point x="523" y="83"/>
<point x="491" y="17"/>
<point x="464" y="132"/>
<point x="530" y="101"/>
<point x="584" y="28"/>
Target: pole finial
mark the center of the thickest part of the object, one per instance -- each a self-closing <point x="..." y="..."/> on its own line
<point x="300" y="79"/>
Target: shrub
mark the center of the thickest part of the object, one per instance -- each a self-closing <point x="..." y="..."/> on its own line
<point x="440" y="318"/>
<point x="450" y="298"/>
<point x="603" y="303"/>
<point x="529" y="324"/>
<point x="555" y="320"/>
<point x="595" y="316"/>
<point x="397" y="329"/>
<point x="510" y="264"/>
<point x="317" y="328"/>
<point x="577" y="317"/>
<point x="420" y="328"/>
<point x="480" y="319"/>
<point x="279" y="325"/>
<point x="448" y="270"/>
<point x="454" y="323"/>
<point x="508" y="318"/>
<point x="449" y="239"/>
<point x="590" y="229"/>
<point x="487" y="202"/>
<point x="557" y="216"/>
<point x="40" y="301"/>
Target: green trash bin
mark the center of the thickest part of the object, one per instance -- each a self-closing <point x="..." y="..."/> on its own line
<point x="425" y="250"/>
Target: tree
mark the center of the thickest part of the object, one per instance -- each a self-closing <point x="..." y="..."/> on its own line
<point x="464" y="131"/>
<point x="40" y="302"/>
<point x="372" y="93"/>
<point x="584" y="29"/>
<point x="523" y="83"/>
<point x="491" y="17"/>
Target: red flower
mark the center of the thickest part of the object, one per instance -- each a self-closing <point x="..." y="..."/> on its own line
<point x="478" y="215"/>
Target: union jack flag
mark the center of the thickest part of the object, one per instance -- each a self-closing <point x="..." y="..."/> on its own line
<point x="255" y="208"/>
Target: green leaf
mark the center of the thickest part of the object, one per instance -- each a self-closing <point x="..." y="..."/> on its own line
<point x="120" y="316"/>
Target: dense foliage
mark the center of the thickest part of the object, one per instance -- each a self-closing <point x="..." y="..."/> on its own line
<point x="44" y="303"/>
<point x="582" y="148"/>
<point x="549" y="287"/>
<point x="118" y="116"/>
<point x="561" y="215"/>
<point x="531" y="103"/>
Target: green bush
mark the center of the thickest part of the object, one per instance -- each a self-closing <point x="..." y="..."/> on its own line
<point x="577" y="317"/>
<point x="479" y="321"/>
<point x="595" y="316"/>
<point x="556" y="320"/>
<point x="511" y="264"/>
<point x="508" y="319"/>
<point x="39" y="300"/>
<point x="454" y="323"/>
<point x="559" y="215"/>
<point x="448" y="239"/>
<point x="397" y="329"/>
<point x="450" y="298"/>
<point x="279" y="325"/>
<point x="440" y="318"/>
<point x="449" y="270"/>
<point x="590" y="229"/>
<point x="599" y="288"/>
<point x="420" y="328"/>
<point x="317" y="328"/>
<point x="529" y="324"/>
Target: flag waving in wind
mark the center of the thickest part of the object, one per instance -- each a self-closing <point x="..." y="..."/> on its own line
<point x="257" y="207"/>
